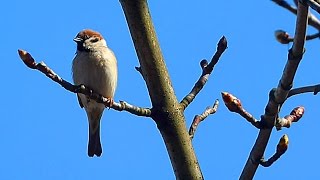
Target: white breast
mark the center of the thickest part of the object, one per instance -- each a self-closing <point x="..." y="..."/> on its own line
<point x="97" y="70"/>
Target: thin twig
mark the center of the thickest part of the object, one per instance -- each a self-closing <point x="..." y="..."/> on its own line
<point x="314" y="89"/>
<point x="206" y="71"/>
<point x="312" y="20"/>
<point x="312" y="36"/>
<point x="122" y="106"/>
<point x="234" y="105"/>
<point x="281" y="149"/>
<point x="199" y="118"/>
<point x="286" y="5"/>
<point x="313" y="4"/>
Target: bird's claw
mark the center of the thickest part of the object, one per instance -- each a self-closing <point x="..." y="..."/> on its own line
<point x="110" y="102"/>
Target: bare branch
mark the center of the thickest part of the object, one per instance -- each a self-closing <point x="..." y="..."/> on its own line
<point x="312" y="20"/>
<point x="312" y="36"/>
<point x="281" y="149"/>
<point x="294" y="116"/>
<point x="122" y="106"/>
<point x="286" y="5"/>
<point x="234" y="105"/>
<point x="199" y="118"/>
<point x="313" y="4"/>
<point x="206" y="71"/>
<point x="315" y="89"/>
<point x="278" y="95"/>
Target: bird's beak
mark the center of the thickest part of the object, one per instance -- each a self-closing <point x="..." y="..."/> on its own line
<point x="77" y="39"/>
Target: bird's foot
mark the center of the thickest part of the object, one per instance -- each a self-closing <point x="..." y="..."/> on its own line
<point x="110" y="102"/>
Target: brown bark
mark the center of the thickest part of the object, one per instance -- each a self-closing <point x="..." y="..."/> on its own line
<point x="166" y="110"/>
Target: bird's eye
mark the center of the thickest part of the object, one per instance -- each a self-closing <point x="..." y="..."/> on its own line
<point x="93" y="40"/>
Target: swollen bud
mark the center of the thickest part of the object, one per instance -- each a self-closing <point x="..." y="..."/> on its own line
<point x="297" y="112"/>
<point x="282" y="36"/>
<point x="232" y="102"/>
<point x="283" y="144"/>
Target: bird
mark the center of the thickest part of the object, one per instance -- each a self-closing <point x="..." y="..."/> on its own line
<point x="94" y="66"/>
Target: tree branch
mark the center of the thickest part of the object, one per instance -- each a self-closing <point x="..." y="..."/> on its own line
<point x="315" y="89"/>
<point x="122" y="106"/>
<point x="166" y="109"/>
<point x="313" y="4"/>
<point x="234" y="105"/>
<point x="206" y="71"/>
<point x="281" y="149"/>
<point x="199" y="118"/>
<point x="278" y="96"/>
<point x="312" y="20"/>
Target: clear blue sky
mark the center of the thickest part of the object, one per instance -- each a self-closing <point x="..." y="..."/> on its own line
<point x="44" y="131"/>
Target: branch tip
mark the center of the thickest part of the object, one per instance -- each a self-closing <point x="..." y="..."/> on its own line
<point x="283" y="144"/>
<point x="231" y="102"/>
<point x="199" y="118"/>
<point x="222" y="44"/>
<point x="27" y="59"/>
<point x="297" y="113"/>
<point x="281" y="149"/>
<point x="207" y="69"/>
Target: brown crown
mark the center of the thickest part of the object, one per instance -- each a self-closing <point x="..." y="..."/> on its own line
<point x="87" y="33"/>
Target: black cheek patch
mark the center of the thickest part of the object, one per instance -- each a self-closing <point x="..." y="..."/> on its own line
<point x="96" y="39"/>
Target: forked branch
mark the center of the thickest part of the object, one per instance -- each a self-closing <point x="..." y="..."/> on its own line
<point x="206" y="71"/>
<point x="199" y="118"/>
<point x="234" y="105"/>
<point x="278" y="95"/>
<point x="281" y="149"/>
<point x="312" y="20"/>
<point x="313" y="4"/>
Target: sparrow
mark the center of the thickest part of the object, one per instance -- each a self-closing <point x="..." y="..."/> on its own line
<point x="94" y="66"/>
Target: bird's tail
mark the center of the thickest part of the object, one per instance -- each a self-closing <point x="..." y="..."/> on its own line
<point x="94" y="145"/>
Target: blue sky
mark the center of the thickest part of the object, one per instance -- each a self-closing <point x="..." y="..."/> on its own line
<point x="44" y="132"/>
